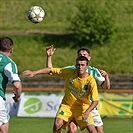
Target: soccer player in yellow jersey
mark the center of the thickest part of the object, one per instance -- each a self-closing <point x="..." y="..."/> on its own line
<point x="101" y="78"/>
<point x="79" y="87"/>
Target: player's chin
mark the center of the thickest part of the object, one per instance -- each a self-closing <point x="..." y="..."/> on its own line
<point x="81" y="72"/>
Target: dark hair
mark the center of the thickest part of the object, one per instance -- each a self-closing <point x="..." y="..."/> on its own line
<point x="82" y="58"/>
<point x="83" y="49"/>
<point x="6" y="44"/>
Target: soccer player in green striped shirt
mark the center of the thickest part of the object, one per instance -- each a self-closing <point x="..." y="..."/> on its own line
<point x="8" y="71"/>
<point x="100" y="76"/>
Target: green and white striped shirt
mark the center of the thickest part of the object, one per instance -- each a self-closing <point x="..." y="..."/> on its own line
<point x="8" y="71"/>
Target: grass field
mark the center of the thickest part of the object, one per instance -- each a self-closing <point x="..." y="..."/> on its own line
<point x="44" y="125"/>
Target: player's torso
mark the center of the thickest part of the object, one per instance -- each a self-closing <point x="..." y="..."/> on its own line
<point x="77" y="90"/>
<point x="95" y="73"/>
<point x="3" y="78"/>
<point x="4" y="60"/>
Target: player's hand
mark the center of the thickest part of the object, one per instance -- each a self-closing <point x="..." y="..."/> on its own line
<point x="50" y="50"/>
<point x="16" y="98"/>
<point x="85" y="116"/>
<point x="29" y="73"/>
<point x="103" y="73"/>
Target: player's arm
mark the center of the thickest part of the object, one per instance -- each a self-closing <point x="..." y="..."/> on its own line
<point x="49" y="52"/>
<point x="34" y="73"/>
<point x="11" y="72"/>
<point x="106" y="84"/>
<point x="17" y="91"/>
<point x="94" y="94"/>
<point x="92" y="106"/>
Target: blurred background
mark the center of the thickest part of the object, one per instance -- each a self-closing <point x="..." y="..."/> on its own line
<point x="105" y="27"/>
<point x="113" y="19"/>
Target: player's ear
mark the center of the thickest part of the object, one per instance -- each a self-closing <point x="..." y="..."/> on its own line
<point x="86" y="68"/>
<point x="11" y="50"/>
<point x="89" y="58"/>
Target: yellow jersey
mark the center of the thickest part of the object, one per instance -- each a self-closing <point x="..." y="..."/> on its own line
<point x="77" y="90"/>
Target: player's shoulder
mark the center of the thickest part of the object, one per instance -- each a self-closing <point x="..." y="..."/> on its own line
<point x="90" y="78"/>
<point x="70" y="67"/>
<point x="63" y="70"/>
<point x="93" y="68"/>
<point x="5" y="59"/>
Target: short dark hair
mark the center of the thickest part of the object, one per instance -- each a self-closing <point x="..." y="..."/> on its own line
<point x="83" y="49"/>
<point x="82" y="58"/>
<point x="6" y="44"/>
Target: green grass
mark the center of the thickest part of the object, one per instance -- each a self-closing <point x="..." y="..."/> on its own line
<point x="29" y="53"/>
<point x="58" y="14"/>
<point x="14" y="18"/>
<point x="44" y="125"/>
<point x="115" y="56"/>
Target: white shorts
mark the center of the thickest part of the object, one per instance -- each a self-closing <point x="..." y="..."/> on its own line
<point x="97" y="118"/>
<point x="4" y="115"/>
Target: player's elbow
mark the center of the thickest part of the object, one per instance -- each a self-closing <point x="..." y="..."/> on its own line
<point x="96" y="102"/>
<point x="17" y="86"/>
<point x="106" y="86"/>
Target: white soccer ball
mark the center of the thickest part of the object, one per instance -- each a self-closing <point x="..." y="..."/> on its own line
<point x="36" y="14"/>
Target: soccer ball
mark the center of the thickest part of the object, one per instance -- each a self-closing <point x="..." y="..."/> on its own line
<point x="36" y="14"/>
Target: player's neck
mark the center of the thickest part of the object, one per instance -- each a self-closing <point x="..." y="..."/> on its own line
<point x="84" y="75"/>
<point x="6" y="53"/>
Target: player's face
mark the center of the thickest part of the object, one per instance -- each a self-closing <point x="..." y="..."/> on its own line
<point x="81" y="67"/>
<point x="84" y="53"/>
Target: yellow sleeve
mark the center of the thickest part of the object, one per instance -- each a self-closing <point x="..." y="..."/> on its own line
<point x="55" y="71"/>
<point x="63" y="72"/>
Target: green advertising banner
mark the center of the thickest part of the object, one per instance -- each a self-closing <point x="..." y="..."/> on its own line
<point x="116" y="105"/>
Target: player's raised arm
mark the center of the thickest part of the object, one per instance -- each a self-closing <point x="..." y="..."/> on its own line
<point x="106" y="84"/>
<point x="49" y="52"/>
<point x="34" y="73"/>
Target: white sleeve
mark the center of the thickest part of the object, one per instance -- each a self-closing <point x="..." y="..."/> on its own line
<point x="97" y="75"/>
<point x="10" y="71"/>
<point x="99" y="80"/>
